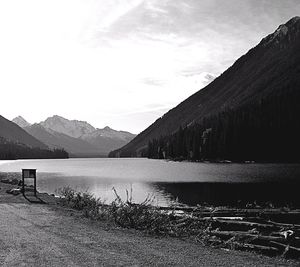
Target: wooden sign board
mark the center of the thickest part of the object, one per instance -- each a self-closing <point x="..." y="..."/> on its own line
<point x="29" y="173"/>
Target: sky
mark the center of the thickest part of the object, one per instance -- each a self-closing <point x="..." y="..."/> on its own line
<point x="122" y="63"/>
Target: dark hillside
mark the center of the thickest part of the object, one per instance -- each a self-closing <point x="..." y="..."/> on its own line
<point x="10" y="151"/>
<point x="269" y="71"/>
<point x="59" y="140"/>
<point x="12" y="132"/>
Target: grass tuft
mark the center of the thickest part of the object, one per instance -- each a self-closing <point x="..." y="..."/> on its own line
<point x="83" y="201"/>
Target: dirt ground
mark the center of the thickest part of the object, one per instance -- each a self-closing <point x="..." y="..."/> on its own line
<point x="49" y="235"/>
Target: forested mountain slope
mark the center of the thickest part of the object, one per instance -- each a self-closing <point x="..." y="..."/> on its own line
<point x="258" y="95"/>
<point x="12" y="132"/>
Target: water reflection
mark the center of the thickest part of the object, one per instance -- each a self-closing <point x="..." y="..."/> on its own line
<point x="103" y="188"/>
<point x="190" y="183"/>
<point x="166" y="193"/>
<point x="232" y="193"/>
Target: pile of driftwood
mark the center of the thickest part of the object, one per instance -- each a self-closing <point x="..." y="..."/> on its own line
<point x="273" y="231"/>
<point x="269" y="231"/>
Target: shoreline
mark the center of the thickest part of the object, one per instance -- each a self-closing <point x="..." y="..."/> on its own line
<point x="216" y="227"/>
<point x="232" y="193"/>
<point x="99" y="242"/>
<point x="221" y="161"/>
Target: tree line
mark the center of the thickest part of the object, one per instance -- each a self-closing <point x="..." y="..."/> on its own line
<point x="10" y="151"/>
<point x="264" y="130"/>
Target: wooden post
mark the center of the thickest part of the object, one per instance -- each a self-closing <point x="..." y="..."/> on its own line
<point x="23" y="183"/>
<point x="34" y="186"/>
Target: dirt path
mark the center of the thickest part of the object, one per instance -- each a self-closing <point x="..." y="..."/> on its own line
<point x="47" y="235"/>
<point x="38" y="235"/>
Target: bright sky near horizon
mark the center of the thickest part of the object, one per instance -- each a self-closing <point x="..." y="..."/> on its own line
<point x="122" y="63"/>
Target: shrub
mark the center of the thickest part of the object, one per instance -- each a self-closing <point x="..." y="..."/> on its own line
<point x="83" y="201"/>
<point x="128" y="214"/>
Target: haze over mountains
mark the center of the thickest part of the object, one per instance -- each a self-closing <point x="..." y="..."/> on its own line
<point x="79" y="138"/>
<point x="255" y="101"/>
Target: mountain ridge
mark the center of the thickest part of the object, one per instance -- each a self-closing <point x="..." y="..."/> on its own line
<point x="12" y="132"/>
<point x="59" y="140"/>
<point x="21" y="121"/>
<point x="254" y="76"/>
<point x="284" y="32"/>
<point x="77" y="137"/>
<point x="73" y="128"/>
<point x="16" y="143"/>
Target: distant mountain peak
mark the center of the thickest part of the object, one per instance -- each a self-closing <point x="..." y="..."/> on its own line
<point x="107" y="128"/>
<point x="12" y="132"/>
<point x="20" y="121"/>
<point x="284" y="33"/>
<point x="294" y="20"/>
<point x="73" y="128"/>
<point x="19" y="118"/>
<point x="57" y="117"/>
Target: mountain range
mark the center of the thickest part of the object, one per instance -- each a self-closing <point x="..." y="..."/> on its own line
<point x="79" y="138"/>
<point x="13" y="133"/>
<point x="248" y="112"/>
<point x="256" y="99"/>
<point x="16" y="143"/>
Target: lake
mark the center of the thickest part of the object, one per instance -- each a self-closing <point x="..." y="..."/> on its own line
<point x="167" y="182"/>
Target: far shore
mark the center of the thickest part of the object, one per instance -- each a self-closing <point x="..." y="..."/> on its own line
<point x="184" y="160"/>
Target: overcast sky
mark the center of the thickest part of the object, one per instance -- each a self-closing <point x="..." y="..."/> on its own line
<point x="122" y="63"/>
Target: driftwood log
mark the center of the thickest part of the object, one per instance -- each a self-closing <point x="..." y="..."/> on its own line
<point x="273" y="231"/>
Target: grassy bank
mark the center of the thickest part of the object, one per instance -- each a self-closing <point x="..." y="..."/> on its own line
<point x="52" y="235"/>
<point x="272" y="231"/>
<point x="127" y="214"/>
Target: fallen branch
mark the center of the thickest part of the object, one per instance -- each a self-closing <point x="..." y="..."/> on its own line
<point x="246" y="223"/>
<point x="285" y="246"/>
<point x="244" y="234"/>
<point x="255" y="247"/>
<point x="285" y="224"/>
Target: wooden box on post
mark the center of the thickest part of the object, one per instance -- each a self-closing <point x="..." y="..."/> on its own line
<point x="29" y="174"/>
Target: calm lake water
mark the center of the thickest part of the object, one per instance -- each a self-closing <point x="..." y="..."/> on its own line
<point x="168" y="182"/>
